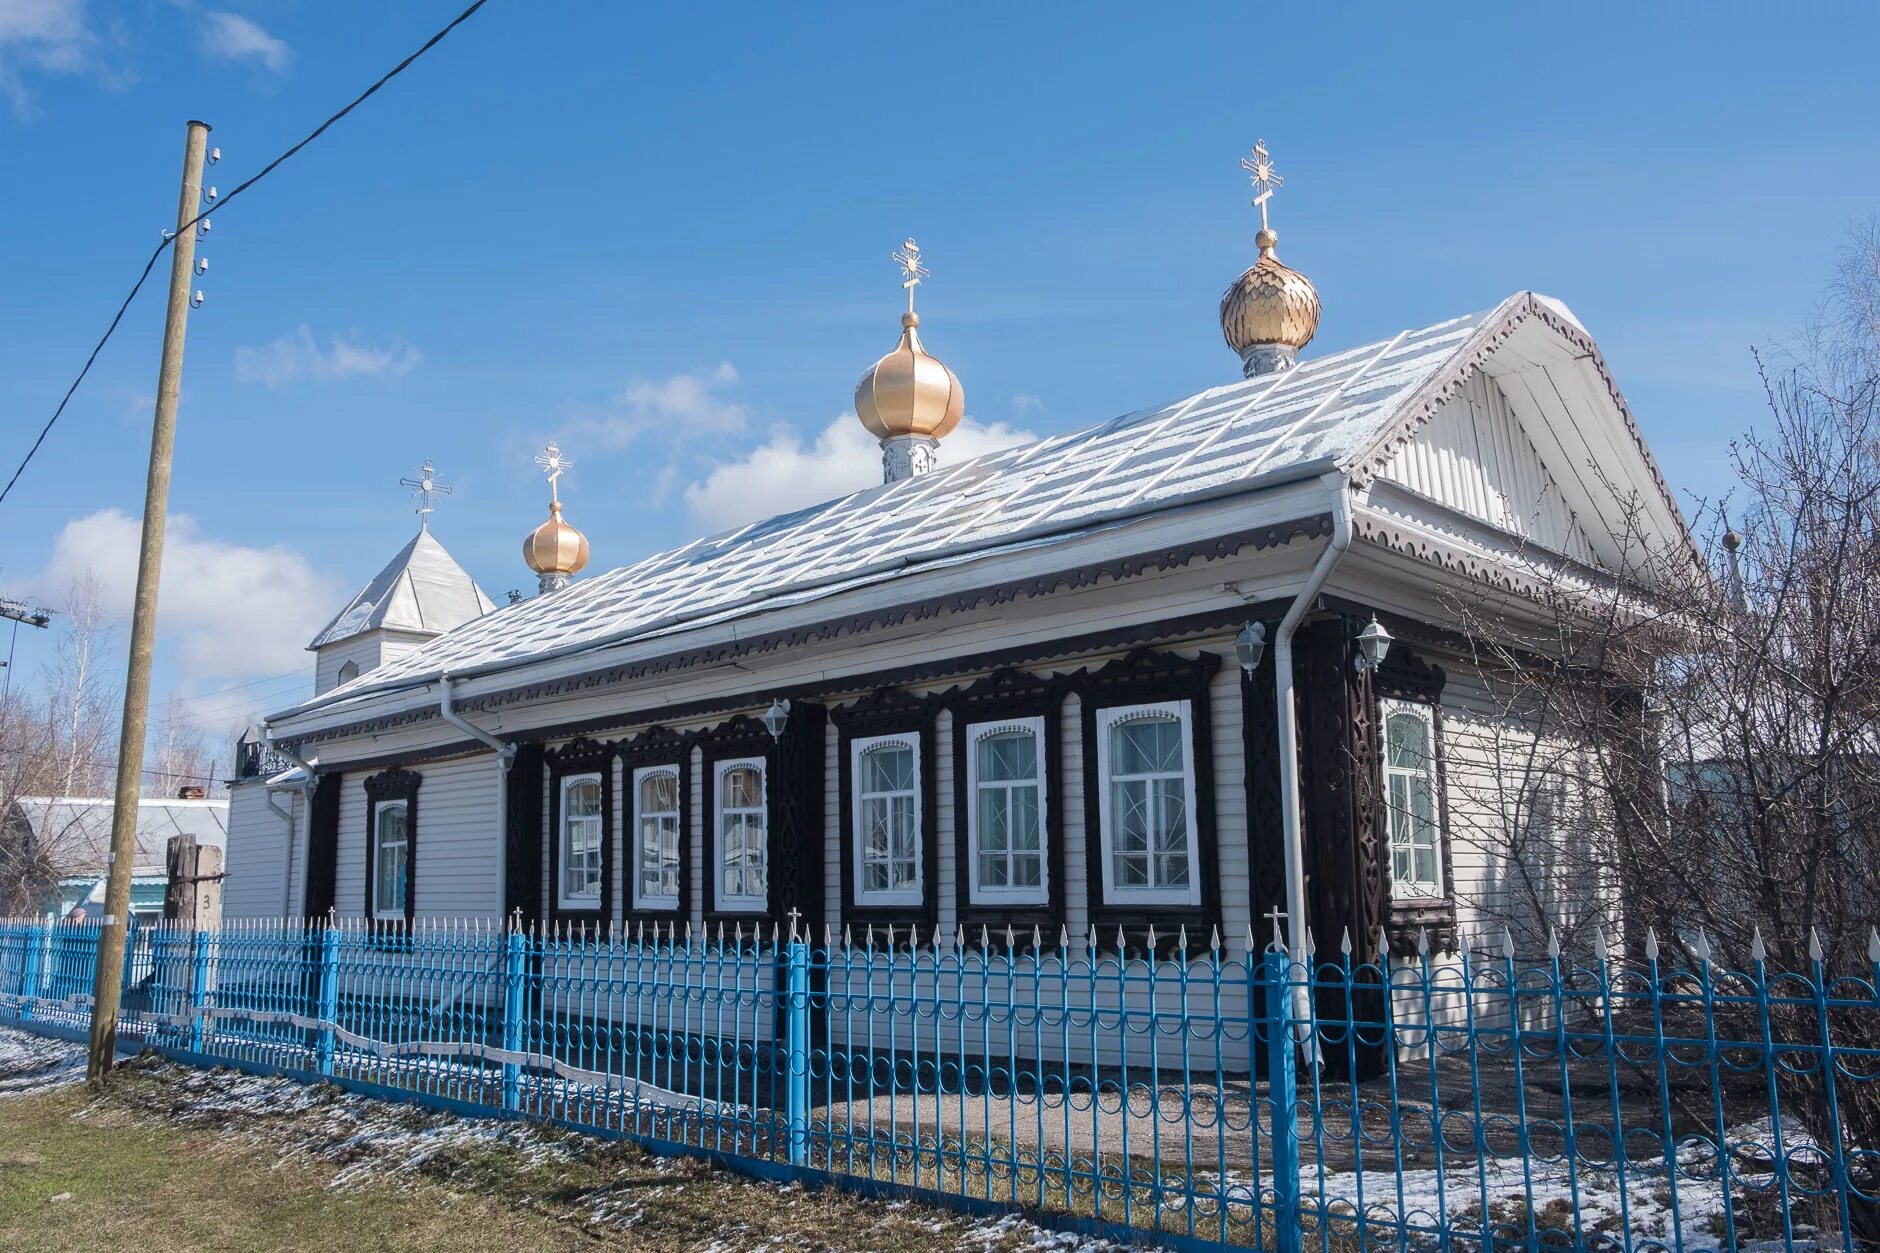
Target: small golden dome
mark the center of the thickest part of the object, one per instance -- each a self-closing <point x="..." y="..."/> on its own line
<point x="909" y="391"/>
<point x="1270" y="304"/>
<point x="555" y="548"/>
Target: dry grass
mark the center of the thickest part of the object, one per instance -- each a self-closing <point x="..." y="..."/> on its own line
<point x="172" y="1159"/>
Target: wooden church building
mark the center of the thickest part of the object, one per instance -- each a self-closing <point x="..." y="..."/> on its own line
<point x="1188" y="668"/>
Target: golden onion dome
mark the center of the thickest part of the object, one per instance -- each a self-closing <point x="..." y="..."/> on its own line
<point x="909" y="391"/>
<point x="1270" y="304"/>
<point x="555" y="549"/>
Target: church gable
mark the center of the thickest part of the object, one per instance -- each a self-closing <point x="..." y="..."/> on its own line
<point x="1476" y="456"/>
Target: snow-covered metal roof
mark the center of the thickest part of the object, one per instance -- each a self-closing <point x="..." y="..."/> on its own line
<point x="76" y="830"/>
<point x="1248" y="434"/>
<point x="422" y="589"/>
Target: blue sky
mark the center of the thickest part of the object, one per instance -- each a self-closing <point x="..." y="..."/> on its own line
<point x="662" y="235"/>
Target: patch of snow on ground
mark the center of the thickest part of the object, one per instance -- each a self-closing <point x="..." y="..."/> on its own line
<point x="31" y="1063"/>
<point x="1001" y="1232"/>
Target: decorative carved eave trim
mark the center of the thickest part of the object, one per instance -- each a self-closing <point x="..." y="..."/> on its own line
<point x="1144" y="668"/>
<point x="1405" y="676"/>
<point x="885" y="707"/>
<point x="1492" y="569"/>
<point x="1484" y="344"/>
<point x="655" y="744"/>
<point x="579" y="754"/>
<point x="1168" y="557"/>
<point x="396" y="783"/>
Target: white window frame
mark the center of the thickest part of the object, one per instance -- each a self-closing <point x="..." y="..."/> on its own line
<point x="565" y="899"/>
<point x="341" y="677"/>
<point x="1389" y="709"/>
<point x="1106" y="719"/>
<point x="396" y="912"/>
<point x="977" y="894"/>
<point x="743" y="902"/>
<point x="915" y="895"/>
<point x="652" y="900"/>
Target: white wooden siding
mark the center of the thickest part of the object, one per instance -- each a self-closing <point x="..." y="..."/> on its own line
<point x="257" y="845"/>
<point x="1475" y="457"/>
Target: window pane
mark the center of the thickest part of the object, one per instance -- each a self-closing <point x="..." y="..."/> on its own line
<point x="1146" y="746"/>
<point x="1409" y="740"/>
<point x="584" y="800"/>
<point x="743" y="788"/>
<point x="992" y="870"/>
<point x="1024" y="818"/>
<point x="1008" y="755"/>
<point x="889" y="768"/>
<point x="1130" y="799"/>
<point x="994" y="819"/>
<point x="391" y="825"/>
<point x="1028" y="871"/>
<point x="659" y="793"/>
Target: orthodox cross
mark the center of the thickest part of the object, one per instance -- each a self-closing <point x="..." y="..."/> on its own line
<point x="1279" y="935"/>
<point x="912" y="271"/>
<point x="1259" y="167"/>
<point x="427" y="489"/>
<point x="552" y="461"/>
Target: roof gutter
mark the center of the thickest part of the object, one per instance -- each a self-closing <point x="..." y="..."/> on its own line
<point x="505" y="758"/>
<point x="1335" y="548"/>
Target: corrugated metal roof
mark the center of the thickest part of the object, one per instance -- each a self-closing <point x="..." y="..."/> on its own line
<point x="1265" y="429"/>
<point x="78" y="829"/>
<point x="422" y="589"/>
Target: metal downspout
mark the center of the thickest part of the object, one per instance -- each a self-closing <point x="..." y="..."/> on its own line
<point x="505" y="758"/>
<point x="299" y="832"/>
<point x="1288" y="727"/>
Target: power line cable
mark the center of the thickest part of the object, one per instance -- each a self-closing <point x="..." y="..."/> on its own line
<point x="221" y="203"/>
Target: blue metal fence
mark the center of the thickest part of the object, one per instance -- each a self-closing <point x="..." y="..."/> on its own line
<point x="1194" y="1097"/>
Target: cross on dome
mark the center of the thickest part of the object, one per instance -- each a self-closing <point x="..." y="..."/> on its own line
<point x="1259" y="167"/>
<point x="552" y="460"/>
<point x="912" y="271"/>
<point x="426" y="488"/>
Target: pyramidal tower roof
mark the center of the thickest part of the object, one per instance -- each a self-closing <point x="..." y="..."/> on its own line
<point x="422" y="590"/>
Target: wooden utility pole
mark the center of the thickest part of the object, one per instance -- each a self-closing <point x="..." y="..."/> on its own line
<point x="109" y="984"/>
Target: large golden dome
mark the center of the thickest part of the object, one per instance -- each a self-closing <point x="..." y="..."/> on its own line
<point x="555" y="550"/>
<point x="1270" y="304"/>
<point x="909" y="391"/>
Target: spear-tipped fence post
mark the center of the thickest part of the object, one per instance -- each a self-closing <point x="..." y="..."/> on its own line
<point x="32" y="981"/>
<point x="1283" y="1098"/>
<point x="796" y="1048"/>
<point x="328" y="1013"/>
<point x="515" y="1000"/>
<point x="199" y="942"/>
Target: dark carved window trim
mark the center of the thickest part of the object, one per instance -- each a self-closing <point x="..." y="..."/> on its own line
<point x="888" y="711"/>
<point x="739" y="737"/>
<point x="1002" y="696"/>
<point x="1143" y="677"/>
<point x="1406" y="677"/>
<point x="578" y="757"/>
<point x="396" y="784"/>
<point x="657" y="746"/>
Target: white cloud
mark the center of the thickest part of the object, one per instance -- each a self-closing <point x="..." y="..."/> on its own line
<point x="225" y="610"/>
<point x="233" y="37"/>
<point x="47" y="36"/>
<point x="1023" y="404"/>
<point x="296" y="356"/>
<point x="783" y="474"/>
<point x="682" y="406"/>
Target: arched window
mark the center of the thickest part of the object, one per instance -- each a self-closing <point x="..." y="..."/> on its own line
<point x="743" y="836"/>
<point x="581" y="842"/>
<point x="348" y="671"/>
<point x="1148" y="798"/>
<point x="887" y="820"/>
<point x="391" y="866"/>
<point x="656" y="841"/>
<point x="1416" y="863"/>
<point x="1005" y="818"/>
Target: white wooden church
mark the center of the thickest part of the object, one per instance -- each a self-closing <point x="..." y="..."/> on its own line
<point x="1184" y="669"/>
